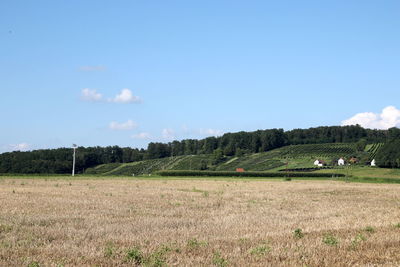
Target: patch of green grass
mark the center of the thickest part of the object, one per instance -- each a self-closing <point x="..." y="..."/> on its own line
<point x="218" y="260"/>
<point x="298" y="233"/>
<point x="34" y="264"/>
<point x="134" y="255"/>
<point x="369" y="229"/>
<point x="109" y="250"/>
<point x="260" y="250"/>
<point x="156" y="259"/>
<point x="330" y="239"/>
<point x="193" y="244"/>
<point x="5" y="228"/>
<point x="357" y="240"/>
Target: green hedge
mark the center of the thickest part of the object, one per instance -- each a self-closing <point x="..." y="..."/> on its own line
<point x="245" y="174"/>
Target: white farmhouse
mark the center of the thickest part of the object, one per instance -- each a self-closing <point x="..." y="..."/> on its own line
<point x="316" y="162"/>
<point x="340" y="162"/>
<point x="373" y="163"/>
<point x="319" y="163"/>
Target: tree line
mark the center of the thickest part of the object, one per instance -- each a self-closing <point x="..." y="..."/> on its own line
<point x="230" y="144"/>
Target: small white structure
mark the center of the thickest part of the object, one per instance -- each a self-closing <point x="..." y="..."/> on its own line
<point x="340" y="162"/>
<point x="373" y="163"/>
<point x="319" y="163"/>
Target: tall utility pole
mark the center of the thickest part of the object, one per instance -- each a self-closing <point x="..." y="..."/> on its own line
<point x="73" y="160"/>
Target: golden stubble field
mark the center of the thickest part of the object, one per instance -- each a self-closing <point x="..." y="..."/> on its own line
<point x="198" y="223"/>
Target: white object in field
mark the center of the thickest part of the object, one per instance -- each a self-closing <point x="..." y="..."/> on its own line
<point x="341" y="162"/>
<point x="316" y="162"/>
<point x="373" y="163"/>
<point x="320" y="164"/>
<point x="73" y="159"/>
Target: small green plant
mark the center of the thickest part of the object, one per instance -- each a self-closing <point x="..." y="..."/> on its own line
<point x="134" y="255"/>
<point x="288" y="179"/>
<point x="206" y="194"/>
<point x="260" y="250"/>
<point x="194" y="189"/>
<point x="369" y="229"/>
<point x="218" y="260"/>
<point x="34" y="264"/>
<point x="298" y="233"/>
<point x="397" y="225"/>
<point x="5" y="228"/>
<point x="109" y="250"/>
<point x="330" y="240"/>
<point x="194" y="243"/>
<point x="357" y="240"/>
<point x="156" y="259"/>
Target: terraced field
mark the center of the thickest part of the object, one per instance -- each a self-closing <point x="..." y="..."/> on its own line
<point x="372" y="149"/>
<point x="297" y="156"/>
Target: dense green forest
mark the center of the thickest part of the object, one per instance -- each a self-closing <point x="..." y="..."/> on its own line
<point x="389" y="155"/>
<point x="230" y="144"/>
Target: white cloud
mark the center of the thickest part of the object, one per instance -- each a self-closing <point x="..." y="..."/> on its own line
<point x="19" y="147"/>
<point x="92" y="68"/>
<point x="91" y="95"/>
<point x="211" y="132"/>
<point x="129" y="125"/>
<point x="125" y="96"/>
<point x="168" y="134"/>
<point x="141" y="136"/>
<point x="389" y="117"/>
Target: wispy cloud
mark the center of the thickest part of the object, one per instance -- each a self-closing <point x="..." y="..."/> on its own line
<point x="142" y="135"/>
<point x="168" y="134"/>
<point x="125" y="96"/>
<point x="211" y="132"/>
<point x="92" y="68"/>
<point x="19" y="147"/>
<point x="91" y="95"/>
<point x="388" y="118"/>
<point x="123" y="126"/>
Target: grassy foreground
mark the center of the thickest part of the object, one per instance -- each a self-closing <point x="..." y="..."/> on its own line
<point x="157" y="222"/>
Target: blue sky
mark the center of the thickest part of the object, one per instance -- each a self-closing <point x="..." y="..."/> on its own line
<point x="131" y="72"/>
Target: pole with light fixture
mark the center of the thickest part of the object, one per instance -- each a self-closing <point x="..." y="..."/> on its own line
<point x="74" y="146"/>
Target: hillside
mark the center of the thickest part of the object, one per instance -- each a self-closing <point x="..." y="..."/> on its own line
<point x="297" y="156"/>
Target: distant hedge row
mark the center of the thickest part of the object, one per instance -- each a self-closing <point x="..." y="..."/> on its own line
<point x="245" y="174"/>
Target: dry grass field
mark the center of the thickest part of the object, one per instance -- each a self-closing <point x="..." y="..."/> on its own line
<point x="198" y="223"/>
